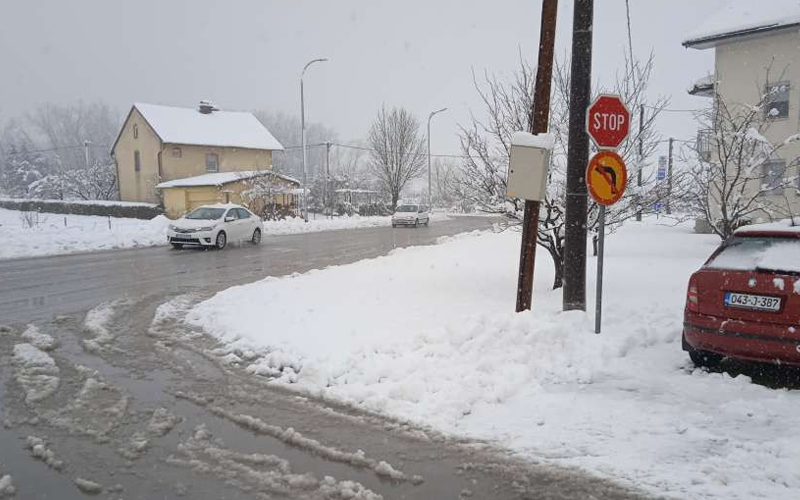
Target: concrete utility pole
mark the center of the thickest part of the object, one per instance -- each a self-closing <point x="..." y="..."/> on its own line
<point x="669" y="178"/>
<point x="538" y="122"/>
<point x="639" y="160"/>
<point x="433" y="113"/>
<point x="578" y="158"/>
<point x="303" y="135"/>
<point x="86" y="152"/>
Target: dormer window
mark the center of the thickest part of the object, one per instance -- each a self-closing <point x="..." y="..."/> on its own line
<point x="135" y="131"/>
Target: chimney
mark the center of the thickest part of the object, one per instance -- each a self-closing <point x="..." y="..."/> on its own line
<point x="207" y="107"/>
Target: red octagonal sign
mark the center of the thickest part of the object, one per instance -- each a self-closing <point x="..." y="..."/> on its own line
<point x="608" y="121"/>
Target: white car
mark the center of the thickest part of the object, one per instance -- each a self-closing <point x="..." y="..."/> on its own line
<point x="215" y="226"/>
<point x="410" y="215"/>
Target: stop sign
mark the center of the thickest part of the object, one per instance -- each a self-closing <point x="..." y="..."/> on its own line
<point x="608" y="121"/>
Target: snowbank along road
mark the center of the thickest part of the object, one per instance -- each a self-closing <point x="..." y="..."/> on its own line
<point x="115" y="399"/>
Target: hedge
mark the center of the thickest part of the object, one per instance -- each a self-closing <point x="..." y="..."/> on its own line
<point x="105" y="209"/>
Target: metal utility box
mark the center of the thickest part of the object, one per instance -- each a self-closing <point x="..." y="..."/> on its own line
<point x="527" y="172"/>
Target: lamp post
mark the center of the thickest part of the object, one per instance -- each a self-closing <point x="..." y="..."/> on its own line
<point x="433" y="113"/>
<point x="303" y="135"/>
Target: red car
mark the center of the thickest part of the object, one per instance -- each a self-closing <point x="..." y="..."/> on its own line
<point x="745" y="301"/>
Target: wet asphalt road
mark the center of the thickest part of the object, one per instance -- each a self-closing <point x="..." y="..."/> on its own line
<point x="40" y="288"/>
<point x="232" y="435"/>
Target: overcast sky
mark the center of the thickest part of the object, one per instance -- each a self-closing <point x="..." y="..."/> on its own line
<point x="248" y="54"/>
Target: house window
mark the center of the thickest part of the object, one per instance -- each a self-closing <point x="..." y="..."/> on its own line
<point x="777" y="100"/>
<point x="137" y="165"/>
<point x="176" y="152"/>
<point x="773" y="176"/>
<point x="212" y="162"/>
<point x="135" y="131"/>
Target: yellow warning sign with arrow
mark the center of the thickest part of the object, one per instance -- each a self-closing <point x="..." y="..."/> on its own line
<point x="606" y="177"/>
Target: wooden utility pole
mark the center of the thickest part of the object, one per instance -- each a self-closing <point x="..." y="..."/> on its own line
<point x="538" y="122"/>
<point x="669" y="178"/>
<point x="577" y="158"/>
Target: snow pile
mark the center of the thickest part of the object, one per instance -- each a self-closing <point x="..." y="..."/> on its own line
<point x="320" y="223"/>
<point x="400" y="293"/>
<point x="35" y="371"/>
<point x="7" y="487"/>
<point x="428" y="334"/>
<point x="88" y="487"/>
<point x="82" y="233"/>
<point x="38" y="339"/>
<point x="96" y="323"/>
<point x="162" y="422"/>
<point x="40" y="451"/>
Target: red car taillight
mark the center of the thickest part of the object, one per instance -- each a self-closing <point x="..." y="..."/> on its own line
<point x="692" y="295"/>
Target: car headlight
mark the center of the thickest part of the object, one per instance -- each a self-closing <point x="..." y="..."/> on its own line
<point x="208" y="228"/>
<point x="172" y="228"/>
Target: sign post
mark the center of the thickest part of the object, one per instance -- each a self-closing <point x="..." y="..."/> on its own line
<point x="608" y="124"/>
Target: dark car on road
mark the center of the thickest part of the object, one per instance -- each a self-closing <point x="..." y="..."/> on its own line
<point x="744" y="302"/>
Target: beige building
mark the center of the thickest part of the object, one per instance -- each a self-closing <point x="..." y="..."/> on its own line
<point x="266" y="193"/>
<point x="757" y="60"/>
<point x="158" y="144"/>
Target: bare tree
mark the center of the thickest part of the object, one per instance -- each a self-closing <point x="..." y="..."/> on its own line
<point x="737" y="174"/>
<point x="486" y="146"/>
<point x="396" y="150"/>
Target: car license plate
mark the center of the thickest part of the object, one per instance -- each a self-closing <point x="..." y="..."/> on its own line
<point x="756" y="302"/>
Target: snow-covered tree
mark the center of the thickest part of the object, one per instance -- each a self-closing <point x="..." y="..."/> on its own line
<point x="486" y="146"/>
<point x="397" y="150"/>
<point x="737" y="174"/>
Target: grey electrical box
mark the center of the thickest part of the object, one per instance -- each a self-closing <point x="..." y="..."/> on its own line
<point x="527" y="172"/>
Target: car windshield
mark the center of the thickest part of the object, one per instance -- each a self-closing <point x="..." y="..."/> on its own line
<point x="407" y="208"/>
<point x="753" y="253"/>
<point x="205" y="213"/>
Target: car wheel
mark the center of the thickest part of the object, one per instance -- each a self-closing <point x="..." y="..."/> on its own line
<point x="704" y="358"/>
<point x="427" y="221"/>
<point x="256" y="237"/>
<point x="394" y="225"/>
<point x="177" y="246"/>
<point x="222" y="240"/>
<point x="416" y="223"/>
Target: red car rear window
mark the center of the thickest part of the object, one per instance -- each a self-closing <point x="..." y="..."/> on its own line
<point x="759" y="253"/>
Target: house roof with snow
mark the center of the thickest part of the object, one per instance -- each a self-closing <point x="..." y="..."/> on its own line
<point x="222" y="178"/>
<point x="744" y="18"/>
<point x="235" y="129"/>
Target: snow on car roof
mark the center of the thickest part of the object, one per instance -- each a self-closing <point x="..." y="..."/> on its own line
<point x="237" y="129"/>
<point x="742" y="17"/>
<point x="221" y="178"/>
<point x="783" y="226"/>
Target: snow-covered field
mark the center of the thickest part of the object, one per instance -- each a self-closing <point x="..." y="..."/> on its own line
<point x="50" y="235"/>
<point x="429" y="334"/>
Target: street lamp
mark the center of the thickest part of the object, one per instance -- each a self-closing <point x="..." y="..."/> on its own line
<point x="433" y="113"/>
<point x="303" y="135"/>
